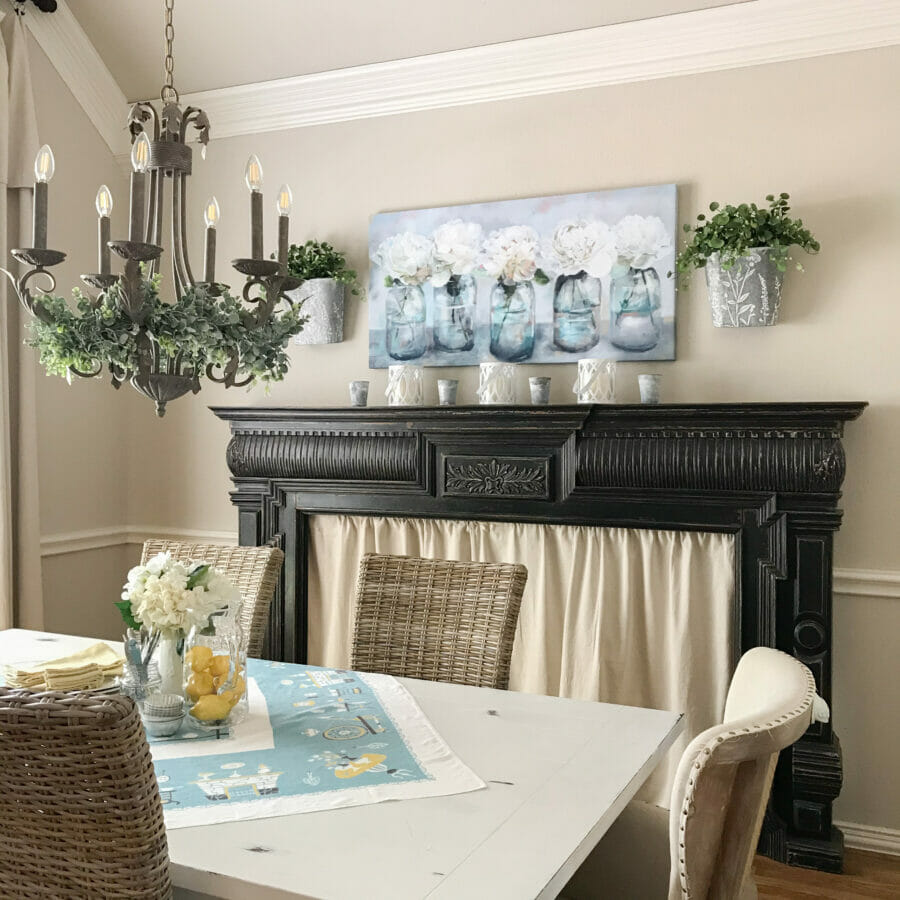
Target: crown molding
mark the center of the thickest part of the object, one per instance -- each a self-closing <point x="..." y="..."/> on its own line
<point x="85" y="74"/>
<point x="742" y="34"/>
<point x="725" y="37"/>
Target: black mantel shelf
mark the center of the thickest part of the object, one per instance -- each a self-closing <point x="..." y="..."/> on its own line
<point x="768" y="473"/>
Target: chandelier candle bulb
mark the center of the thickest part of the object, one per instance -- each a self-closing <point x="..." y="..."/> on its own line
<point x="104" y="204"/>
<point x="44" y="167"/>
<point x="140" y="162"/>
<point x="211" y="218"/>
<point x="283" y="206"/>
<point x="253" y="176"/>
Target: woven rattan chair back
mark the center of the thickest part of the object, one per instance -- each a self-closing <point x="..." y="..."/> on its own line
<point x="79" y="804"/>
<point x="255" y="571"/>
<point x="437" y="619"/>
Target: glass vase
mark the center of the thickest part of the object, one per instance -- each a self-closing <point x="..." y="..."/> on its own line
<point x="635" y="322"/>
<point x="454" y="314"/>
<point x="512" y="320"/>
<point x="576" y="312"/>
<point x="215" y="671"/>
<point x="405" y="336"/>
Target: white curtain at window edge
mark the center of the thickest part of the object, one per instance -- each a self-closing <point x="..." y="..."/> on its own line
<point x="623" y="615"/>
<point x="20" y="562"/>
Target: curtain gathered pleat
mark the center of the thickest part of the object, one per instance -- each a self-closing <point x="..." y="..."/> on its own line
<point x="20" y="560"/>
<point x="622" y="615"/>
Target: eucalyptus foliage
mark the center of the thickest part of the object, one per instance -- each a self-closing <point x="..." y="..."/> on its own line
<point x="731" y="231"/>
<point x="318" y="259"/>
<point x="203" y="328"/>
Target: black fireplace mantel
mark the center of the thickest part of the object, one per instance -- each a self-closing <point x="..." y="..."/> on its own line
<point x="768" y="473"/>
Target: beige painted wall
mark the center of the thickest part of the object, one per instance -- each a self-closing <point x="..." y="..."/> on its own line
<point x="82" y="454"/>
<point x="732" y="135"/>
<point x="822" y="129"/>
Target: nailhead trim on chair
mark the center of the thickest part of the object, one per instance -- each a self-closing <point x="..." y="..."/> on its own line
<point x="687" y="808"/>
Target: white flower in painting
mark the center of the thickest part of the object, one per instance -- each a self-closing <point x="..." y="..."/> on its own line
<point x="511" y="254"/>
<point x="405" y="257"/>
<point x="583" y="246"/>
<point x="641" y="240"/>
<point x="455" y="250"/>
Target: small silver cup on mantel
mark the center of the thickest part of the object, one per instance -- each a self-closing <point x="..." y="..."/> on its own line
<point x="649" y="386"/>
<point x="359" y="393"/>
<point x="540" y="390"/>
<point x="447" y="390"/>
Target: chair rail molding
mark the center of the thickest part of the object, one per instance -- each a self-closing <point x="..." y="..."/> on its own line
<point x="847" y="582"/>
<point x="64" y="542"/>
<point x="707" y="40"/>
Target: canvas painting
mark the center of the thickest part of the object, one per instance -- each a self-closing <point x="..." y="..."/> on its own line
<point x="540" y="280"/>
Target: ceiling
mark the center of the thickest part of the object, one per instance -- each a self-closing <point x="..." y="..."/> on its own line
<point x="223" y="43"/>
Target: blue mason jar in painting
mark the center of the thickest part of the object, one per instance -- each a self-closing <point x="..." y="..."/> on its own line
<point x="404" y="335"/>
<point x="454" y="314"/>
<point x="576" y="312"/>
<point x="635" y="321"/>
<point x="512" y="320"/>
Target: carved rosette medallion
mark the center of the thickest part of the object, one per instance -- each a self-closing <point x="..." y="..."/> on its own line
<point x="496" y="477"/>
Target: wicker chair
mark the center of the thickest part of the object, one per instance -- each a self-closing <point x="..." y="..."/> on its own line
<point x="255" y="571"/>
<point x="437" y="619"/>
<point x="80" y="807"/>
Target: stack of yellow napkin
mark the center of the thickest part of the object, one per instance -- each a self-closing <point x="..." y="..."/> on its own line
<point x="86" y="670"/>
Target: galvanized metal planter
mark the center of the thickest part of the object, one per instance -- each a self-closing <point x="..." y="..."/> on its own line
<point x="746" y="295"/>
<point x="322" y="301"/>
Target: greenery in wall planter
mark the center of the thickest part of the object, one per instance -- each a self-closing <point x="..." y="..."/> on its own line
<point x="744" y="251"/>
<point x="326" y="277"/>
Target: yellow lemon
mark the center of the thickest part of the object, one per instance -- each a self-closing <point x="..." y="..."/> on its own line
<point x="220" y="665"/>
<point x="210" y="708"/>
<point x="199" y="684"/>
<point x="199" y="657"/>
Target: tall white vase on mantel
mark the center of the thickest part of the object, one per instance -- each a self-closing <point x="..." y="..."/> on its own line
<point x="170" y="662"/>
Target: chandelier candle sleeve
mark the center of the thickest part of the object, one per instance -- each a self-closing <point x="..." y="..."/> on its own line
<point x="44" y="166"/>
<point x="211" y="218"/>
<point x="283" y="207"/>
<point x="253" y="177"/>
<point x="140" y="162"/>
<point x="104" y="204"/>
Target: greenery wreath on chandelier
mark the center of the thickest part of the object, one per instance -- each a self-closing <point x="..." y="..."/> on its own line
<point x="199" y="331"/>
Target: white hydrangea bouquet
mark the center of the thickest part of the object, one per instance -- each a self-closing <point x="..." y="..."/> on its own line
<point x="162" y="600"/>
<point x="168" y="596"/>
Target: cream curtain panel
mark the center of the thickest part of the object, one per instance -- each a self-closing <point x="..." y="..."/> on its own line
<point x="20" y="561"/>
<point x="622" y="615"/>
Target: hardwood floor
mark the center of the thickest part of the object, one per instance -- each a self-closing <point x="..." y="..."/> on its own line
<point x="865" y="875"/>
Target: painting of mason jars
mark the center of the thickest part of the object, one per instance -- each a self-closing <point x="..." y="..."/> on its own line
<point x="542" y="280"/>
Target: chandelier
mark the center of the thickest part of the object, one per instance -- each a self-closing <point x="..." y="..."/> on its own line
<point x="162" y="349"/>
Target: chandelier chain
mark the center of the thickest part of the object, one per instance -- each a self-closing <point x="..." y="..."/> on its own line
<point x="168" y="92"/>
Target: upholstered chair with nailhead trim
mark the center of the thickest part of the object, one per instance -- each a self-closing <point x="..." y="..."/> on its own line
<point x="702" y="848"/>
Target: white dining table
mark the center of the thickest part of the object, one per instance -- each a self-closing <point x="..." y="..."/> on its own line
<point x="558" y="773"/>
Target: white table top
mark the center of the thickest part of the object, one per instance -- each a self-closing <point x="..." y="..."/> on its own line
<point x="558" y="771"/>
